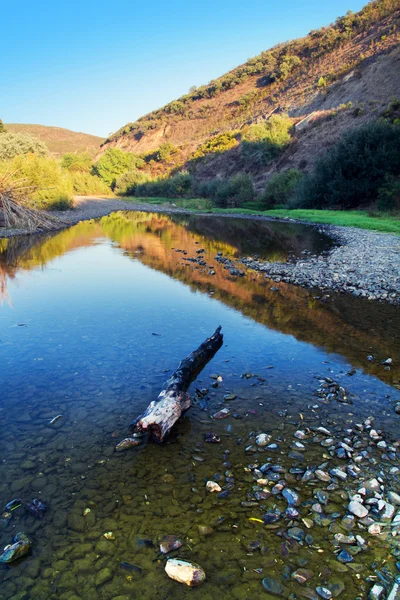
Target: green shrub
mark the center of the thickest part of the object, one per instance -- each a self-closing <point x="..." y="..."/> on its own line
<point x="350" y="174"/>
<point x="85" y="184"/>
<point x="280" y="189"/>
<point x="2" y="127"/>
<point x="78" y="162"/>
<point x="226" y="192"/>
<point x="47" y="183"/>
<point x="115" y="162"/>
<point x="262" y="142"/>
<point x="389" y="194"/>
<point x="127" y="183"/>
<point x="60" y="203"/>
<point x="215" y="145"/>
<point x="15" y="144"/>
<point x="178" y="186"/>
<point x="322" y="82"/>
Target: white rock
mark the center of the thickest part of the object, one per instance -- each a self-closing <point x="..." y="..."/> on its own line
<point x="263" y="440"/>
<point x="374" y="529"/>
<point x="185" y="572"/>
<point x="372" y="485"/>
<point x="388" y="512"/>
<point x="376" y="593"/>
<point x="300" y="435"/>
<point x="213" y="487"/>
<point x="357" y="509"/>
<point x="394" y="498"/>
<point x="395" y="592"/>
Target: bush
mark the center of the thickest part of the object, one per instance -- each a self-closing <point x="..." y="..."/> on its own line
<point x="85" y="184"/>
<point x="79" y="162"/>
<point x="178" y="186"/>
<point x="49" y="183"/>
<point x="16" y="144"/>
<point x="389" y="194"/>
<point x="2" y="127"/>
<point x="127" y="183"/>
<point x="264" y="141"/>
<point x="115" y="162"/>
<point x="226" y="192"/>
<point x="60" y="203"/>
<point x="281" y="188"/>
<point x="350" y="174"/>
<point x="217" y="144"/>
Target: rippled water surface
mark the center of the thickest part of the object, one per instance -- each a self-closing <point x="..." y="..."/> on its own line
<point x="92" y="321"/>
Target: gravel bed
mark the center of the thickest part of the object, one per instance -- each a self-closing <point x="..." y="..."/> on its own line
<point x="363" y="263"/>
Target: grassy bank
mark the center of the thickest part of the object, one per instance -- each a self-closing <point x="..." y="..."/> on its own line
<point x="387" y="223"/>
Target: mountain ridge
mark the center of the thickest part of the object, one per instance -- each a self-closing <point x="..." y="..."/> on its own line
<point x="59" y="140"/>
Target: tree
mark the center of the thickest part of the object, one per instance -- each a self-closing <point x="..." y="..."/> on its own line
<point x="114" y="162"/>
<point x="79" y="162"/>
<point x="2" y="127"/>
<point x="15" y="144"/>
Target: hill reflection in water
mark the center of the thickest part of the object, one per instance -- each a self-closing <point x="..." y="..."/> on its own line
<point x="351" y="327"/>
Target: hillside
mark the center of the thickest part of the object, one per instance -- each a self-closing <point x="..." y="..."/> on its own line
<point x="336" y="78"/>
<point x="59" y="140"/>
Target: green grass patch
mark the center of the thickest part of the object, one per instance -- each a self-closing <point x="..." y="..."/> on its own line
<point x="386" y="223"/>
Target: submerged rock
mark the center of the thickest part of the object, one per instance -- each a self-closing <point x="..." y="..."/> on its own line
<point x="212" y="438"/>
<point x="185" y="572"/>
<point x="273" y="586"/>
<point x="127" y="443"/>
<point x="19" y="548"/>
<point x="170" y="543"/>
<point x="36" y="507"/>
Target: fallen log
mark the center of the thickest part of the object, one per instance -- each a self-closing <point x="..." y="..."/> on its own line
<point x="161" y="414"/>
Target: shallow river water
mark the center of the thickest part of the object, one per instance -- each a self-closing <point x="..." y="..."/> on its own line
<point x="92" y="322"/>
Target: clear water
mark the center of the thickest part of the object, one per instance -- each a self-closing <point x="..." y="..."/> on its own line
<point x="92" y="321"/>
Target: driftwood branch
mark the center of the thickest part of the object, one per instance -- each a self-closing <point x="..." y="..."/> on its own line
<point x="161" y="414"/>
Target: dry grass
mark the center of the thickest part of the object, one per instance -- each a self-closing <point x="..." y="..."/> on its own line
<point x="14" y="211"/>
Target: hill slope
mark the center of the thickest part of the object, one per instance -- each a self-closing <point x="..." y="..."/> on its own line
<point x="340" y="77"/>
<point x="59" y="140"/>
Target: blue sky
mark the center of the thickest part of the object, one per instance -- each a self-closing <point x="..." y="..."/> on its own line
<point x="94" y="66"/>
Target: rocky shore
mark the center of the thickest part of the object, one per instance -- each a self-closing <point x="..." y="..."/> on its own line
<point x="363" y="263"/>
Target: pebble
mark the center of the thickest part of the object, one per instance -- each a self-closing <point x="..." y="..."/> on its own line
<point x="263" y="440"/>
<point x="323" y="592"/>
<point x="185" y="572"/>
<point x="273" y="586"/>
<point x="213" y="487"/>
<point x="357" y="509"/>
<point x="291" y="497"/>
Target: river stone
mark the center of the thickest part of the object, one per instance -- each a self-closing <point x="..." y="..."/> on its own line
<point x="76" y="522"/>
<point x="170" y="543"/>
<point x="263" y="440"/>
<point x="228" y="397"/>
<point x="185" y="572"/>
<point x="103" y="576"/>
<point x="345" y="557"/>
<point x="357" y="509"/>
<point x="291" y="497"/>
<point x="323" y="592"/>
<point x="273" y="586"/>
<point x="377" y="592"/>
<point x="20" y="547"/>
<point x="302" y="575"/>
<point x="296" y="533"/>
<point x="394" y="498"/>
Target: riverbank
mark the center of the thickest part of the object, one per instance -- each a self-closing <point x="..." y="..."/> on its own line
<point x="363" y="262"/>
